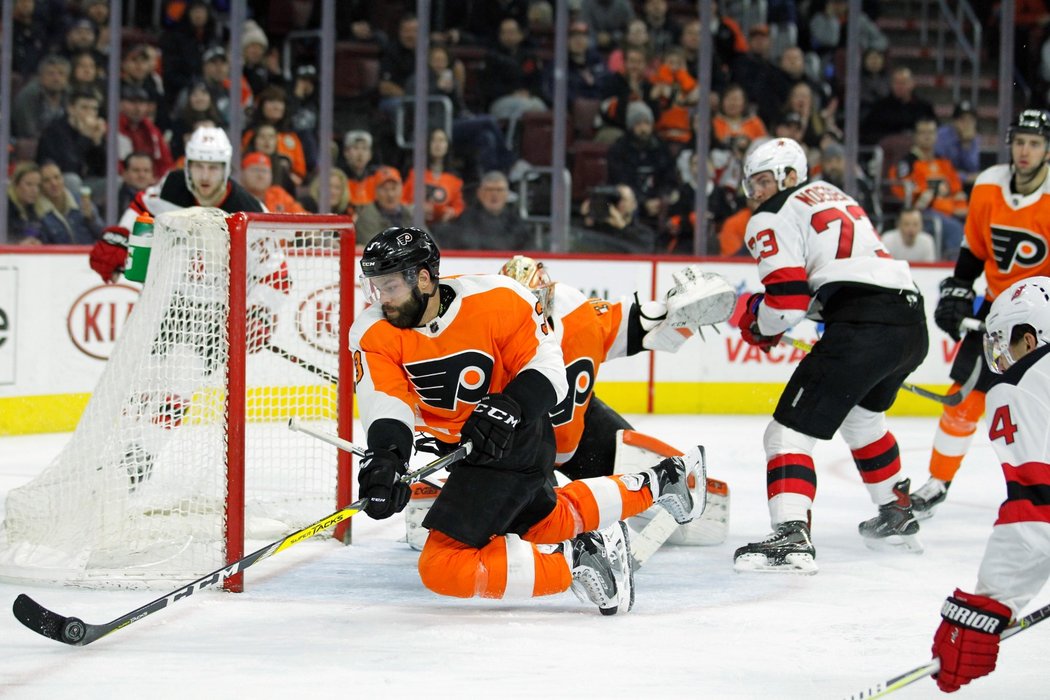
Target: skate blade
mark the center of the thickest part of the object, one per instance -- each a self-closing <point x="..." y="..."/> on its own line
<point x="923" y="514"/>
<point x="896" y="543"/>
<point x="798" y="563"/>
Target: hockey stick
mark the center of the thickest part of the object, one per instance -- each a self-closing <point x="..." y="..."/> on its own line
<point x="298" y="426"/>
<point x="76" y="632"/>
<point x="884" y="688"/>
<point x="308" y="366"/>
<point x="952" y="399"/>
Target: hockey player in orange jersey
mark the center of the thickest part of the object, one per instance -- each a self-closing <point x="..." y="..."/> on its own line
<point x="593" y="439"/>
<point x="1007" y="239"/>
<point x="471" y="359"/>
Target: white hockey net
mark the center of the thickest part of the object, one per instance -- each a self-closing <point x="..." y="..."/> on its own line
<point x="146" y="489"/>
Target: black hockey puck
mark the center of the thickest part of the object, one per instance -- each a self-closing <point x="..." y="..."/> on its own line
<point x="73" y="631"/>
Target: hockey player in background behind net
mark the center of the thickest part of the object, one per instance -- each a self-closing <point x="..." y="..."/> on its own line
<point x="820" y="257"/>
<point x="196" y="320"/>
<point x="1016" y="562"/>
<point x="471" y="359"/>
<point x="593" y="439"/>
<point x="1007" y="239"/>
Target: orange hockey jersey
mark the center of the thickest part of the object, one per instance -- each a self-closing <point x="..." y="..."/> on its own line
<point x="590" y="331"/>
<point x="431" y="378"/>
<point x="1009" y="232"/>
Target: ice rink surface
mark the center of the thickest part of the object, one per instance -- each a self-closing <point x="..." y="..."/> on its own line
<point x="355" y="622"/>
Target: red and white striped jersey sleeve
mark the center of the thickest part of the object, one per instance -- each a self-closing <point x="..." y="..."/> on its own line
<point x="1016" y="562"/>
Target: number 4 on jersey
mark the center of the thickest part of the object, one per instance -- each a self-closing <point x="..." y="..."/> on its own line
<point x="1003" y="425"/>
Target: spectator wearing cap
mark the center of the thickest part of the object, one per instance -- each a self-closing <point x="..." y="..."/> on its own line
<point x="959" y="143"/>
<point x="183" y="47"/>
<point x="908" y="241"/>
<point x="443" y="188"/>
<point x="137" y="132"/>
<point x="585" y="69"/>
<point x="271" y="108"/>
<point x="304" y="109"/>
<point x="619" y="91"/>
<point x="489" y="223"/>
<point x="356" y="161"/>
<point x="42" y="99"/>
<point x="217" y="77"/>
<point x="254" y="48"/>
<point x="756" y="73"/>
<point x="137" y="176"/>
<point x="734" y="117"/>
<point x="257" y="178"/>
<point x="387" y="210"/>
<point x="137" y="70"/>
<point x="640" y="160"/>
<point x="896" y="112"/>
<point x="789" y="126"/>
<point x="664" y="31"/>
<point x="80" y="35"/>
<point x="76" y="142"/>
<point x="29" y="38"/>
<point x="195" y="106"/>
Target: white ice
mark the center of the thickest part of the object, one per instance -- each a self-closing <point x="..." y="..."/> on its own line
<point x="353" y="622"/>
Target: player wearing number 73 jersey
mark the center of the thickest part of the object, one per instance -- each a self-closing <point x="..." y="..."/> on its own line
<point x="819" y="257"/>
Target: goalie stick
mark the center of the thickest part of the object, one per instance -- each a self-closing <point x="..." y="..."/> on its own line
<point x="952" y="399"/>
<point x="76" y="632"/>
<point x="884" y="688"/>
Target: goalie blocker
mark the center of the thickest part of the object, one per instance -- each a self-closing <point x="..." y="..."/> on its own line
<point x="635" y="452"/>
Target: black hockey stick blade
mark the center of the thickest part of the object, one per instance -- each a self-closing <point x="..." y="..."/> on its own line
<point x="76" y="632"/>
<point x="308" y="366"/>
<point x="884" y="688"/>
<point x="952" y="399"/>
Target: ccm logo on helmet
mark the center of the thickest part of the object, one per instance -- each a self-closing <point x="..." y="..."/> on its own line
<point x="445" y="381"/>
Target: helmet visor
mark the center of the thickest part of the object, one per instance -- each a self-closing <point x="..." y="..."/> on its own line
<point x="393" y="287"/>
<point x="997" y="351"/>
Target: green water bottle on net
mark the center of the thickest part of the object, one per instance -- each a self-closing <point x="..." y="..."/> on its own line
<point x="140" y="244"/>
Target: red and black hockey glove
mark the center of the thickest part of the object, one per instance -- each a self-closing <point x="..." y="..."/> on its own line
<point x="491" y="428"/>
<point x="967" y="642"/>
<point x="259" y="328"/>
<point x="110" y="253"/>
<point x="379" y="480"/>
<point x="748" y="325"/>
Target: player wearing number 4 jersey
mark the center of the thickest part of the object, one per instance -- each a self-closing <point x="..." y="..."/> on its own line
<point x="1007" y="239"/>
<point x="1016" y="562"/>
<point x="472" y="359"/>
<point x="819" y="257"/>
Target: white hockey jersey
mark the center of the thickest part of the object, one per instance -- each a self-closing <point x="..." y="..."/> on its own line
<point x="810" y="236"/>
<point x="1016" y="561"/>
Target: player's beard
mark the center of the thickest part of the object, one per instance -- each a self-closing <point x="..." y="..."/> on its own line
<point x="407" y="312"/>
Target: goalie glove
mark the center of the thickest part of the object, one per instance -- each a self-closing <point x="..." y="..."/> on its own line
<point x="110" y="253"/>
<point x="698" y="299"/>
<point x="748" y="325"/>
<point x="954" y="306"/>
<point x="967" y="641"/>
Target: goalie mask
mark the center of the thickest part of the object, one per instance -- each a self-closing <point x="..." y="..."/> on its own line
<point x="208" y="144"/>
<point x="533" y="275"/>
<point x="1022" y="307"/>
<point x="776" y="156"/>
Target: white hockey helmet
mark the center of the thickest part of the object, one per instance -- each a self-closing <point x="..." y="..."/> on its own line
<point x="1023" y="303"/>
<point x="776" y="156"/>
<point x="533" y="275"/>
<point x="208" y="144"/>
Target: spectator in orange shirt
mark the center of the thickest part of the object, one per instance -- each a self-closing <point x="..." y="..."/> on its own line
<point x="257" y="178"/>
<point x="265" y="140"/>
<point x="675" y="92"/>
<point x="271" y="108"/>
<point x="734" y="118"/>
<point x="444" y="190"/>
<point x="933" y="186"/>
<point x="360" y="171"/>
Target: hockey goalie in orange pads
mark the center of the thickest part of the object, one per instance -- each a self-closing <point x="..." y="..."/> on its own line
<point x="473" y="359"/>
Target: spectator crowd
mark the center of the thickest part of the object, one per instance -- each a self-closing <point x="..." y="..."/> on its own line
<point x="634" y="101"/>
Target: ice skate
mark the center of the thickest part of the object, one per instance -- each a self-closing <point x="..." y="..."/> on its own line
<point x="895" y="527"/>
<point x="602" y="569"/>
<point x="788" y="550"/>
<point x="679" y="485"/>
<point x="926" y="498"/>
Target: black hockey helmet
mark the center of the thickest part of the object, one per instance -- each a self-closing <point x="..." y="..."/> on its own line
<point x="1030" y="121"/>
<point x="400" y="249"/>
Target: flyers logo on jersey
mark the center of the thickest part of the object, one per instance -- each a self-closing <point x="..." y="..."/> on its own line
<point x="1017" y="246"/>
<point x="580" y="374"/>
<point x="442" y="382"/>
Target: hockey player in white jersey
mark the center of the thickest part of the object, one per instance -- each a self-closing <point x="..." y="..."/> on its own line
<point x="820" y="257"/>
<point x="1016" y="562"/>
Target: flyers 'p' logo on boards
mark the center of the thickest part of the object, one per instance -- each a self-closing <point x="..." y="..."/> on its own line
<point x="444" y="381"/>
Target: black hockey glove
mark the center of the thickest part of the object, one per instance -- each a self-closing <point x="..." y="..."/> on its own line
<point x="491" y="428"/>
<point x="955" y="304"/>
<point x="379" y="480"/>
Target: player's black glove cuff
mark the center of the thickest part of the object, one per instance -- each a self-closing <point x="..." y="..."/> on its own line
<point x="379" y="480"/>
<point x="491" y="428"/>
<point x="955" y="304"/>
